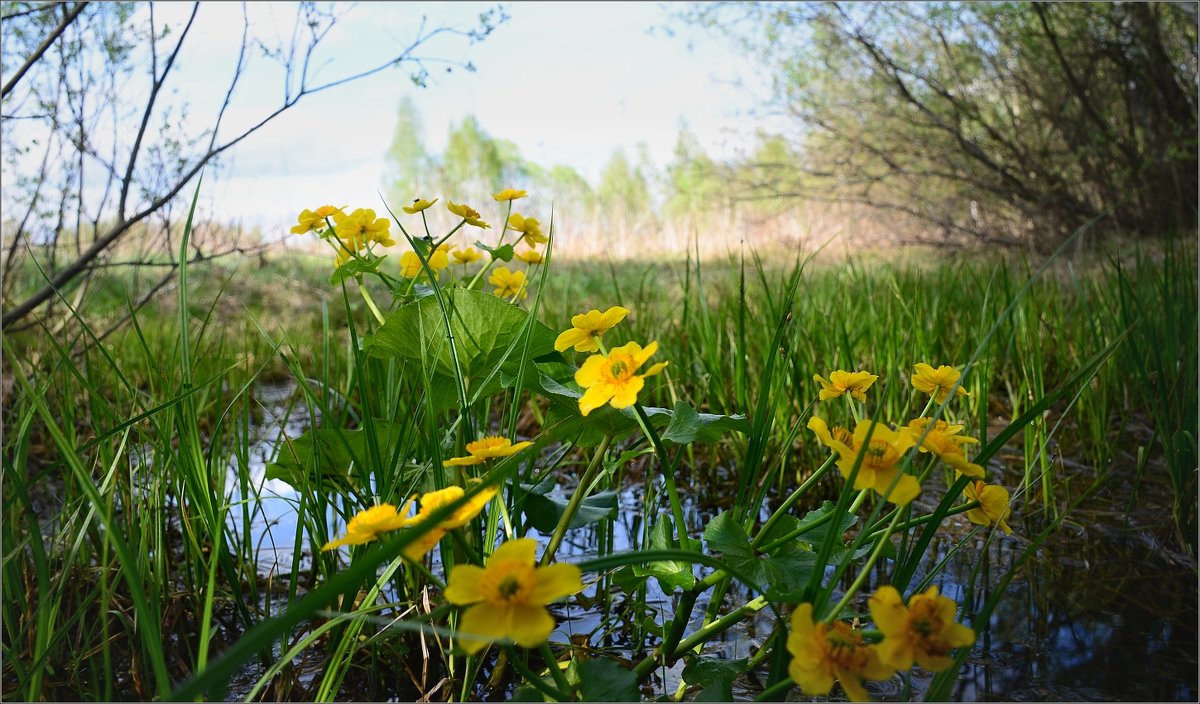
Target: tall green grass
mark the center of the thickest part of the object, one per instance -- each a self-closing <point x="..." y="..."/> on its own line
<point x="121" y="552"/>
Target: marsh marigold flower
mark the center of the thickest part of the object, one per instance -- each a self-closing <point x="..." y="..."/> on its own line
<point x="509" y="194"/>
<point x="936" y="382"/>
<point x="923" y="632"/>
<point x="314" y="219"/>
<point x="993" y="505"/>
<point x="586" y="329"/>
<point x="508" y="283"/>
<point x="410" y="263"/>
<point x="435" y="500"/>
<point x="944" y="441"/>
<point x="361" y="227"/>
<point x="466" y="255"/>
<point x="508" y="596"/>
<point x="485" y="449"/>
<point x="841" y="382"/>
<point x="826" y="652"/>
<point x="367" y="525"/>
<point x="467" y="213"/>
<point x="420" y="204"/>
<point x="879" y="458"/>
<point x="530" y="228"/>
<point x="614" y="379"/>
<point x="530" y="256"/>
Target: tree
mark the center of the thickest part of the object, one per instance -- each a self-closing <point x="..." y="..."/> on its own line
<point x="624" y="193"/>
<point x="994" y="120"/>
<point x="96" y="95"/>
<point x="409" y="166"/>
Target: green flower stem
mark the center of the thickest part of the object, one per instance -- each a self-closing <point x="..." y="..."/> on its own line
<point x="791" y="500"/>
<point x="370" y="301"/>
<point x="858" y="500"/>
<point x="646" y="666"/>
<point x="576" y="501"/>
<point x="853" y="408"/>
<point x="722" y="624"/>
<point x="536" y="682"/>
<point x="928" y="405"/>
<point x="552" y="664"/>
<point x="668" y="471"/>
<point x="875" y="531"/>
<point x="866" y="568"/>
<point x="772" y="693"/>
<point x="499" y="244"/>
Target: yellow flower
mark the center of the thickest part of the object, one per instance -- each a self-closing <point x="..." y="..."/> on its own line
<point x="467" y="213"/>
<point x="509" y="194"/>
<point x="434" y="500"/>
<point x="367" y="525"/>
<point x="528" y="227"/>
<point x="530" y="256"/>
<point x="823" y="653"/>
<point x="840" y="382"/>
<point x="487" y="449"/>
<point x="418" y="205"/>
<point x="361" y="227"/>
<point x="508" y="283"/>
<point x="314" y="220"/>
<point x="944" y="441"/>
<point x="878" y="467"/>
<point x="466" y="256"/>
<point x="924" y="631"/>
<point x="509" y="596"/>
<point x="993" y="505"/>
<point x="586" y="329"/>
<point x="613" y="379"/>
<point x="410" y="263"/>
<point x="938" y="381"/>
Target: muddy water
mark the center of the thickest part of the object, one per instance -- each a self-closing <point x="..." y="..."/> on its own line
<point x="1103" y="611"/>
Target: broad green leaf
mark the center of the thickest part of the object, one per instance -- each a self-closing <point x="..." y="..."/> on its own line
<point x="503" y="252"/>
<point x="543" y="511"/>
<point x="602" y="680"/>
<point x="783" y="574"/>
<point x="715" y="676"/>
<point x="669" y="573"/>
<point x="484" y="327"/>
<point x="328" y="453"/>
<point x="355" y="267"/>
<point x="689" y="426"/>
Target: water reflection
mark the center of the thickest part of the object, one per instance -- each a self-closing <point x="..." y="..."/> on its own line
<point x="1095" y="615"/>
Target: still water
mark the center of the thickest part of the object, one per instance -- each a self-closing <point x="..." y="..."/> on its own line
<point x="1102" y="612"/>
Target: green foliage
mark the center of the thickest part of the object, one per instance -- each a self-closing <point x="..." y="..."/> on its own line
<point x="997" y="120"/>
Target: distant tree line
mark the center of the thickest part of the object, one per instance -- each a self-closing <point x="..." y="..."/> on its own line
<point x="1002" y="121"/>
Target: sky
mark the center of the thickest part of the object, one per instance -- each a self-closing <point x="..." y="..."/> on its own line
<point x="566" y="82"/>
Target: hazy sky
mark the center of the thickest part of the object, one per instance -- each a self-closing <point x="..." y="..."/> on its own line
<point x="567" y="82"/>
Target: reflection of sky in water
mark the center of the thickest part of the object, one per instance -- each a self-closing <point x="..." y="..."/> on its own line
<point x="1083" y="620"/>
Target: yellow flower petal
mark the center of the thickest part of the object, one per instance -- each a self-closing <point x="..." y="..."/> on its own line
<point x="556" y="581"/>
<point x="590" y="373"/>
<point x="530" y="625"/>
<point x="463" y="587"/>
<point x="482" y="624"/>
<point x="522" y="550"/>
<point x="574" y="337"/>
<point x="594" y="398"/>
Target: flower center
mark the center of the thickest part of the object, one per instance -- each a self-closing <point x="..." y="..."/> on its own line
<point x="924" y="622"/>
<point x="509" y="586"/>
<point x="508" y="583"/>
<point x="880" y="454"/>
<point x="844" y="648"/>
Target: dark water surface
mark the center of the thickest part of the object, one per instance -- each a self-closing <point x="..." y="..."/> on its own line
<point x="1102" y="612"/>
